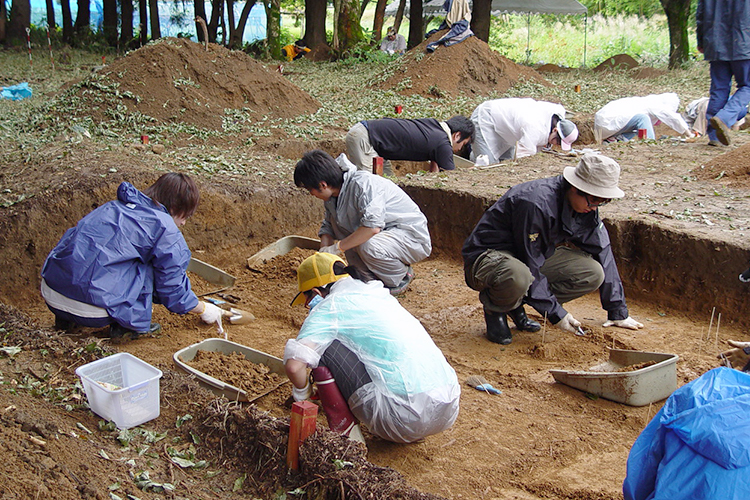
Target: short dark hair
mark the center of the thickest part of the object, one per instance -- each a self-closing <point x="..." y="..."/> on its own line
<point x="317" y="166"/>
<point x="177" y="192"/>
<point x="555" y="120"/>
<point x="463" y="126"/>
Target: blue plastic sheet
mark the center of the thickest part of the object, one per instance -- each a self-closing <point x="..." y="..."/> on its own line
<point x="16" y="92"/>
<point x="698" y="445"/>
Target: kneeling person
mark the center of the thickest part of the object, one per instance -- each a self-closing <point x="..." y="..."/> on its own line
<point x="372" y="361"/>
<point x="378" y="227"/>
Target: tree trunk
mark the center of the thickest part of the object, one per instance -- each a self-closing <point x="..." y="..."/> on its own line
<point x="217" y="6"/>
<point x="273" y="27"/>
<point x="143" y="27"/>
<point x="67" y="22"/>
<point x="399" y="15"/>
<point x="315" y="25"/>
<point x="416" y="32"/>
<point x="199" y="7"/>
<point x="336" y="11"/>
<point x="235" y="41"/>
<point x="51" y="24"/>
<point x="126" y="26"/>
<point x="153" y="9"/>
<point x="230" y="21"/>
<point x="20" y="19"/>
<point x="83" y="18"/>
<point x="480" y="19"/>
<point x="678" y="19"/>
<point x="109" y="24"/>
<point x="3" y="22"/>
<point x="377" y="23"/>
<point x="350" y="30"/>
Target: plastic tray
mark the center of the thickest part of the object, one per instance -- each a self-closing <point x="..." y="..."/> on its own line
<point x="212" y="274"/>
<point x="187" y="354"/>
<point x="635" y="388"/>
<point x="280" y="247"/>
<point x="130" y="395"/>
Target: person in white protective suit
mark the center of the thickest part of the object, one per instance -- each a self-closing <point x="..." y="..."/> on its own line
<point x="368" y="218"/>
<point x="622" y="118"/>
<point x="518" y="127"/>
<point x="372" y="361"/>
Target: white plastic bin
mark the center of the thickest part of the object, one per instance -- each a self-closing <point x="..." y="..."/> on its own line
<point x="122" y="388"/>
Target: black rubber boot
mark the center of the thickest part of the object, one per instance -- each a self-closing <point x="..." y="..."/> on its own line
<point x="117" y="331"/>
<point x="523" y="322"/>
<point x="497" y="328"/>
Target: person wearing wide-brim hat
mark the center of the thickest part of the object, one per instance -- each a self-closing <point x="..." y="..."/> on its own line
<point x="543" y="244"/>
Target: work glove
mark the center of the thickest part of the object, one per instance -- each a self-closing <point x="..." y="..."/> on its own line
<point x="302" y="394"/>
<point x="739" y="357"/>
<point x="212" y="314"/>
<point x="628" y="323"/>
<point x="568" y="324"/>
<point x="745" y="276"/>
<point x="332" y="249"/>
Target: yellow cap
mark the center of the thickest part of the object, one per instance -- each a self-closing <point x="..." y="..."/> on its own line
<point x="315" y="271"/>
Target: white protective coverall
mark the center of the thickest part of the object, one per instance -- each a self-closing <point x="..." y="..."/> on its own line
<point x="502" y="124"/>
<point x="611" y="119"/>
<point x="374" y="201"/>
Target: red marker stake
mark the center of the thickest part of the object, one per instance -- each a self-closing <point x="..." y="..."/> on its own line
<point x="49" y="44"/>
<point x="28" y="43"/>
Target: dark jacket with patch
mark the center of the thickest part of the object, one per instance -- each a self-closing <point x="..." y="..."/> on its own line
<point x="723" y="29"/>
<point x="531" y="220"/>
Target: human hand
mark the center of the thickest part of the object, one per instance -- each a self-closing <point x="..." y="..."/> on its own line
<point x="628" y="323"/>
<point x="332" y="249"/>
<point x="212" y="314"/>
<point x="302" y="394"/>
<point x="737" y="357"/>
<point x="568" y="324"/>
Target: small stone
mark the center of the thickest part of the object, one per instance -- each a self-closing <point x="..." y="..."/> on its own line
<point x="157" y="148"/>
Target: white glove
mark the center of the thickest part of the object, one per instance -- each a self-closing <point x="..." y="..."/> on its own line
<point x="212" y="314"/>
<point x="628" y="323"/>
<point x="302" y="394"/>
<point x="568" y="324"/>
<point x="736" y="357"/>
<point x="332" y="249"/>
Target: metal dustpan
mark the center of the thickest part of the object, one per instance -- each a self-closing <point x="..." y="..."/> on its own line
<point x="212" y="274"/>
<point x="634" y="378"/>
<point x="281" y="247"/>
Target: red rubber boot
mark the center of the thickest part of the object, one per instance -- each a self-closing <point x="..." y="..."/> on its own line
<point x="340" y="418"/>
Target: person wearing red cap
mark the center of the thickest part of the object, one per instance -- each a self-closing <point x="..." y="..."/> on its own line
<point x="514" y="128"/>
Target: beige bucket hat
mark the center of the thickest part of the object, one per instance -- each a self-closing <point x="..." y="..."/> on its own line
<point x="596" y="175"/>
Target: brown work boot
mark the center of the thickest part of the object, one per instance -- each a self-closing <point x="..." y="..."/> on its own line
<point x="721" y="129"/>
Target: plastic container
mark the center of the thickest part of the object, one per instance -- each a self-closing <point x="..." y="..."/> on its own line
<point x="281" y="247"/>
<point x="220" y="388"/>
<point x="638" y="387"/>
<point x="122" y="388"/>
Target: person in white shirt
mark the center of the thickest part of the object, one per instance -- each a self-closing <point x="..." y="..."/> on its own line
<point x="393" y="43"/>
<point x="518" y="127"/>
<point x="622" y="118"/>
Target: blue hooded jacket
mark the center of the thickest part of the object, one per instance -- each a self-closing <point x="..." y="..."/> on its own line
<point x="123" y="256"/>
<point x="698" y="445"/>
<point x="723" y="29"/>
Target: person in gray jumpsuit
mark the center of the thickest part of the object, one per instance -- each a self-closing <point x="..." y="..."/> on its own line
<point x="368" y="218"/>
<point x="543" y="244"/>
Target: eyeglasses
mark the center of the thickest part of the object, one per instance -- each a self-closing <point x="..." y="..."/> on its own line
<point x="594" y="201"/>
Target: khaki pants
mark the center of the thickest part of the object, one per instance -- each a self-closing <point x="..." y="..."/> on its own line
<point x="360" y="151"/>
<point x="502" y="280"/>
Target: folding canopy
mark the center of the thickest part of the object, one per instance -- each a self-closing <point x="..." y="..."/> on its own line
<point x="529" y="7"/>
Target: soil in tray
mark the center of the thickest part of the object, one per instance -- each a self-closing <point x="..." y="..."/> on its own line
<point x="637" y="366"/>
<point x="253" y="378"/>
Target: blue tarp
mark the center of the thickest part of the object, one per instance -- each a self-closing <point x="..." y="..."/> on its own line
<point x="16" y="92"/>
<point x="698" y="445"/>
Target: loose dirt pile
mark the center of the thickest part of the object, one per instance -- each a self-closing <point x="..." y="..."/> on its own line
<point x="732" y="167"/>
<point x="471" y="67"/>
<point x="176" y="80"/>
<point x="234" y="369"/>
<point x="617" y="62"/>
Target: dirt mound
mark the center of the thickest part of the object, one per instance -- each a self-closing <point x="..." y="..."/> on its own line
<point x="732" y="167"/>
<point x="176" y="80"/>
<point x="618" y="62"/>
<point x="552" y="68"/>
<point x="643" y="73"/>
<point x="471" y="67"/>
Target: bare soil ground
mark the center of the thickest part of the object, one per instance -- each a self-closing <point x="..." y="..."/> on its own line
<point x="680" y="239"/>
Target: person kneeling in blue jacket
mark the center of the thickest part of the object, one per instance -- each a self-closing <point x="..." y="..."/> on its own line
<point x="124" y="256"/>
